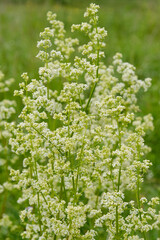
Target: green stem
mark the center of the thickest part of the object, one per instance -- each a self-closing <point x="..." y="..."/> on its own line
<point x="48" y="141"/>
<point x="97" y="77"/>
<point x="30" y="168"/>
<point x="48" y="115"/>
<point x="138" y="193"/>
<point x="117" y="223"/>
<point x="120" y="167"/>
<point x="47" y="89"/>
<point x="46" y="65"/>
<point x="71" y="161"/>
<point x="46" y="202"/>
<point x="139" y="203"/>
<point x="55" y="237"/>
<point x="111" y="170"/>
<point x="63" y="192"/>
<point x="64" y="188"/>
<point x="118" y="187"/>
<point x="39" y="212"/>
<point x="73" y="180"/>
<point x="77" y="177"/>
<point x="119" y="177"/>
<point x="90" y="97"/>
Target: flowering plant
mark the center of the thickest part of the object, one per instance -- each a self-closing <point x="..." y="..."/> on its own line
<point x="8" y="221"/>
<point x="83" y="146"/>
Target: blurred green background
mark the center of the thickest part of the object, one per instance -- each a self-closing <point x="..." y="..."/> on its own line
<point x="133" y="28"/>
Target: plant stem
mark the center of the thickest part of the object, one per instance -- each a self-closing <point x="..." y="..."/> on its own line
<point x="119" y="182"/>
<point x="47" y="77"/>
<point x="119" y="177"/>
<point x="48" y="141"/>
<point x="71" y="161"/>
<point x="39" y="212"/>
<point x="47" y="89"/>
<point x="139" y="203"/>
<point x="64" y="188"/>
<point x="45" y="202"/>
<point x="97" y="77"/>
<point x="117" y="223"/>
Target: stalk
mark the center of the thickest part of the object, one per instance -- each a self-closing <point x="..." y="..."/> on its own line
<point x="111" y="172"/>
<point x="63" y="192"/>
<point x="119" y="177"/>
<point x="39" y="212"/>
<point x="47" y="77"/>
<point x="77" y="178"/>
<point x="55" y="237"/>
<point x="46" y="202"/>
<point x="48" y="89"/>
<point x="97" y="77"/>
<point x="26" y="92"/>
<point x="120" y="167"/>
<point x="61" y="189"/>
<point x="71" y="161"/>
<point x="118" y="187"/>
<point x="48" y="96"/>
<point x="138" y="195"/>
<point x="48" y="141"/>
<point x="64" y="188"/>
<point x="139" y="203"/>
<point x="117" y="223"/>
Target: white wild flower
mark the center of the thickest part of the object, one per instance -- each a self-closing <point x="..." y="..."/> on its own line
<point x="83" y="147"/>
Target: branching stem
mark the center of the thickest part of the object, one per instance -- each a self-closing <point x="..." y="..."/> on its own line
<point x="97" y="77"/>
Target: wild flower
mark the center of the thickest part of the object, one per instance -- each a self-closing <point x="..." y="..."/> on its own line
<point x="83" y="146"/>
<point x="8" y="222"/>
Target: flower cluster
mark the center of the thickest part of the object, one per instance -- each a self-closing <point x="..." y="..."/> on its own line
<point x="83" y="146"/>
<point x="7" y="160"/>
